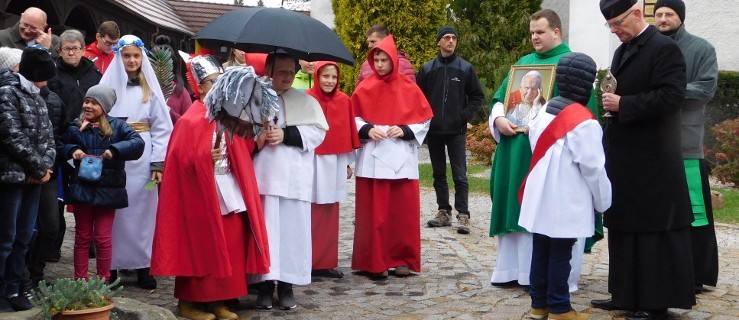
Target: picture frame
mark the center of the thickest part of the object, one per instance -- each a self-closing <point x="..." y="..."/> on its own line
<point x="547" y="72"/>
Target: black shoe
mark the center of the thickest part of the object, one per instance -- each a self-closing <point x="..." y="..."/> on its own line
<point x="54" y="257"/>
<point x="19" y="303"/>
<point x="285" y="296"/>
<point x="509" y="284"/>
<point x="327" y="273"/>
<point x="264" y="298"/>
<point x="699" y="288"/>
<point x="144" y="280"/>
<point x="648" y="315"/>
<point x="605" y="304"/>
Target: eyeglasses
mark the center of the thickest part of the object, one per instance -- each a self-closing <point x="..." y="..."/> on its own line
<point x="106" y="42"/>
<point x="70" y="49"/>
<point x="449" y="37"/>
<point x="619" y="22"/>
<point x="26" y="26"/>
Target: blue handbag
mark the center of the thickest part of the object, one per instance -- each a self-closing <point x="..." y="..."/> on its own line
<point x="91" y="168"/>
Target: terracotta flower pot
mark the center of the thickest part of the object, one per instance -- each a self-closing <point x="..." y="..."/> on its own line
<point x="102" y="313"/>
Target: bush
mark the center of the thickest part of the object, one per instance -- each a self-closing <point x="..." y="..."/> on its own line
<point x="723" y="106"/>
<point x="480" y="143"/>
<point x="69" y="294"/>
<point x="413" y="24"/>
<point x="726" y="153"/>
<point x="493" y="34"/>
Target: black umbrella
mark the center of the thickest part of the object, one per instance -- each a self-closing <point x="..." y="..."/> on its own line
<point x="264" y="30"/>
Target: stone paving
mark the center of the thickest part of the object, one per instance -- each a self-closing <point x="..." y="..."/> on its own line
<point x="454" y="282"/>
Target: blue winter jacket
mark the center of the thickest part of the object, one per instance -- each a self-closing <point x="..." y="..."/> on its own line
<point x="125" y="144"/>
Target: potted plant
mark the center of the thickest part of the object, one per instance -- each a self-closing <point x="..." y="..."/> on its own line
<point x="75" y="299"/>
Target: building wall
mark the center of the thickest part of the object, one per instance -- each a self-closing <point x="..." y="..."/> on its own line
<point x="321" y="10"/>
<point x="562" y="8"/>
<point x="702" y="18"/>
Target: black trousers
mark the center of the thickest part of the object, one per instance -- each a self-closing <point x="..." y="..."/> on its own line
<point x="455" y="145"/>
<point x="705" y="247"/>
<point x="47" y="228"/>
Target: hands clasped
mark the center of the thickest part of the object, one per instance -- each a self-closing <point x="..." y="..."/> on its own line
<point x="392" y="132"/>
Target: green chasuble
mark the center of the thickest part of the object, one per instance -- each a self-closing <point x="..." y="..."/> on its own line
<point x="513" y="156"/>
<point x="695" y="189"/>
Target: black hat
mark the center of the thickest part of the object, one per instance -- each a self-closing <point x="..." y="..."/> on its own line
<point x="677" y="5"/>
<point x="37" y="64"/>
<point x="575" y="76"/>
<point x="614" y="8"/>
<point x="445" y="30"/>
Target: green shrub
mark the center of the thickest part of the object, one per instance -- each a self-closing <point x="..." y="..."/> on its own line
<point x="69" y="294"/>
<point x="493" y="34"/>
<point x="413" y="24"/>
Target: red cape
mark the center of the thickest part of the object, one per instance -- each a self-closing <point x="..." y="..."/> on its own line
<point x="392" y="99"/>
<point x="341" y="136"/>
<point x="189" y="229"/>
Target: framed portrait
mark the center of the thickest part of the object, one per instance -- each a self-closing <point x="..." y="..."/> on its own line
<point x="529" y="88"/>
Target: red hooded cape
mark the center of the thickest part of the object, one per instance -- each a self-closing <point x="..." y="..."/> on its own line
<point x="341" y="136"/>
<point x="393" y="99"/>
<point x="189" y="235"/>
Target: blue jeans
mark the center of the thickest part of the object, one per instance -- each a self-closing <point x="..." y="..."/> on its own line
<point x="550" y="268"/>
<point x="455" y="145"/>
<point x="18" y="211"/>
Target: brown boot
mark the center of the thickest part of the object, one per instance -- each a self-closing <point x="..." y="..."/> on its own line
<point x="191" y="310"/>
<point x="538" y="313"/>
<point x="443" y="219"/>
<point x="221" y="312"/>
<point x="571" y="315"/>
<point x="464" y="223"/>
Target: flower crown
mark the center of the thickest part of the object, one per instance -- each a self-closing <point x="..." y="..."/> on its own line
<point x="129" y="40"/>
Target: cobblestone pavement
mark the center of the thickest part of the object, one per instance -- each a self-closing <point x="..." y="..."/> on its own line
<point x="454" y="282"/>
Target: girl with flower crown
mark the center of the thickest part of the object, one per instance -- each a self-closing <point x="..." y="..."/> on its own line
<point x="141" y="104"/>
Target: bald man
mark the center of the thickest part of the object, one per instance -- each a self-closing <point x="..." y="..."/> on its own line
<point x="31" y="29"/>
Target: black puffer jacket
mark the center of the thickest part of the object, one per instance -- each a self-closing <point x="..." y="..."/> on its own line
<point x="125" y="144"/>
<point x="71" y="84"/>
<point x="25" y="131"/>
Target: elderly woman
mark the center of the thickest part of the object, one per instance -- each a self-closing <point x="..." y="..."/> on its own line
<point x="141" y="103"/>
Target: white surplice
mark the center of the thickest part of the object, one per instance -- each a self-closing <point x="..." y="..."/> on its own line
<point x="329" y="177"/>
<point x="568" y="184"/>
<point x="285" y="179"/>
<point x="392" y="158"/>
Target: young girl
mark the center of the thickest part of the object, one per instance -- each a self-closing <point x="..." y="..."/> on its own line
<point x="331" y="164"/>
<point x="142" y="105"/>
<point x="93" y="133"/>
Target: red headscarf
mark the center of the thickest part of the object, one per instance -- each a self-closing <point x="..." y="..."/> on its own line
<point x="393" y="99"/>
<point x="337" y="107"/>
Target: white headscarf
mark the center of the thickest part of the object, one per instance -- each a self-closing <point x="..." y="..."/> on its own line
<point x="117" y="78"/>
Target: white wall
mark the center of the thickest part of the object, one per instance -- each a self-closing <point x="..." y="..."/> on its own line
<point x="321" y="10"/>
<point x="706" y="19"/>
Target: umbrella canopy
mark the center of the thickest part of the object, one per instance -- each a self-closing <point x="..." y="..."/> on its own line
<point x="264" y="30"/>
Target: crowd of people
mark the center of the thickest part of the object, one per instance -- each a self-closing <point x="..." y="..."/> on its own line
<point x="172" y="185"/>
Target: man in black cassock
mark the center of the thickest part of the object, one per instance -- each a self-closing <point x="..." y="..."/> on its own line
<point x="650" y="264"/>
